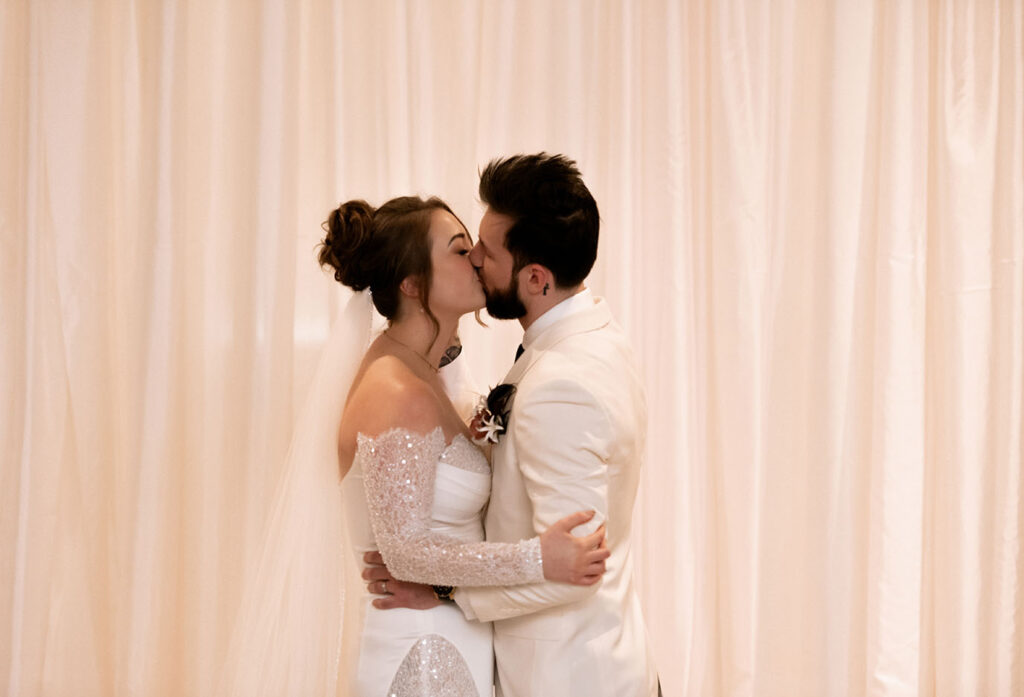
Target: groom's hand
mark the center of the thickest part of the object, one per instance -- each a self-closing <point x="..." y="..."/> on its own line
<point x="395" y="593"/>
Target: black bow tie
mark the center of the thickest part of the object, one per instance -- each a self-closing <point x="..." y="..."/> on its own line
<point x="519" y="351"/>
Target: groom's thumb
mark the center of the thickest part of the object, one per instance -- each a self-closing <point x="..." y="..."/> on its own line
<point x="578" y="518"/>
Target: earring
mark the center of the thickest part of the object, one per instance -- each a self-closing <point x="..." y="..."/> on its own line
<point x="545" y="291"/>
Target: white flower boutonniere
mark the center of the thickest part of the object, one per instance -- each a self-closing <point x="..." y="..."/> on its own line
<point x="491" y="418"/>
<point x="490" y="429"/>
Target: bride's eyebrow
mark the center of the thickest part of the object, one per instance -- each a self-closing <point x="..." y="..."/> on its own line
<point x="457" y="236"/>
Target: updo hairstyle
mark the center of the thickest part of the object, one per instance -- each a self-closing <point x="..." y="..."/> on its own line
<point x="378" y="249"/>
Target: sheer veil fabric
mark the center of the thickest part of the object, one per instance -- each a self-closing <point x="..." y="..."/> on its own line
<point x="287" y="639"/>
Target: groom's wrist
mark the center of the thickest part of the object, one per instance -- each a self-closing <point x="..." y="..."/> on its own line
<point x="461" y="598"/>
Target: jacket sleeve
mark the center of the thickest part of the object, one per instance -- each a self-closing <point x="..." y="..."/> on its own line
<point x="563" y="443"/>
<point x="399" y="468"/>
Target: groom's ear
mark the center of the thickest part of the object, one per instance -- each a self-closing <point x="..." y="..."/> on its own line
<point x="537" y="278"/>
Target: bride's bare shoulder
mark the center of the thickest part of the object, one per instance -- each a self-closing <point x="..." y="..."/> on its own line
<point x="390" y="395"/>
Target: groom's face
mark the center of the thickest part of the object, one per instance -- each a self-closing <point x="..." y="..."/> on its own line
<point x="496" y="267"/>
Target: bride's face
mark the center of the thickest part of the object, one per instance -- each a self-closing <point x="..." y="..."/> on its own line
<point x="456" y="288"/>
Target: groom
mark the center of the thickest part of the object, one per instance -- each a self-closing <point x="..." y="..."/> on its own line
<point x="574" y="441"/>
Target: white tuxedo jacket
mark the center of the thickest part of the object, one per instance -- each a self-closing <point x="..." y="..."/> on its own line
<point x="575" y="441"/>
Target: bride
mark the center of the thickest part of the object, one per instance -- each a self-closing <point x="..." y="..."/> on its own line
<point x="413" y="486"/>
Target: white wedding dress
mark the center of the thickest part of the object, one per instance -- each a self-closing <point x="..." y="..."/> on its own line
<point x="420" y="502"/>
<point x="305" y="624"/>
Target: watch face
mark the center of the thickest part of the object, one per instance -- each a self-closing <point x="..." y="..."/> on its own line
<point x="443" y="592"/>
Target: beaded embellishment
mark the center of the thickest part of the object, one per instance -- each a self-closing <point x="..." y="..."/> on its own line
<point x="433" y="668"/>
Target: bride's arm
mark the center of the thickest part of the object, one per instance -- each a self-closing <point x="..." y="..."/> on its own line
<point x="399" y="472"/>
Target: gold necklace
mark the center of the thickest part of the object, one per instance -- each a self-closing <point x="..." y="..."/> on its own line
<point x="411" y="350"/>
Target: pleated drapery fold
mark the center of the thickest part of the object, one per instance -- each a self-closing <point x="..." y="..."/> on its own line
<point x="812" y="227"/>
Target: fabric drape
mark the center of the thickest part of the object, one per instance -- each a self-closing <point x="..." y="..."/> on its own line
<point x="812" y="227"/>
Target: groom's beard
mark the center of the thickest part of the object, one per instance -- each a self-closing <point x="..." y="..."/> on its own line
<point x="505" y="303"/>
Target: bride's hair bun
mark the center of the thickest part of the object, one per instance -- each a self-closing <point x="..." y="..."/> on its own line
<point x="349" y="228"/>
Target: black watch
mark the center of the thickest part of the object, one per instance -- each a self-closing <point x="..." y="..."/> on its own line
<point x="443" y="592"/>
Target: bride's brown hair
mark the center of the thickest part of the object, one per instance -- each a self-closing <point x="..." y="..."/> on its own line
<point x="379" y="248"/>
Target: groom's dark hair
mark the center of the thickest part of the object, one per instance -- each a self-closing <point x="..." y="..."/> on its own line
<point x="555" y="217"/>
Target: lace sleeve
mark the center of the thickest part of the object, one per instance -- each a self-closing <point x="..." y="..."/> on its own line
<point x="398" y="472"/>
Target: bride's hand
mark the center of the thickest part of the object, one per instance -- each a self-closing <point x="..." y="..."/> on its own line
<point x="571" y="559"/>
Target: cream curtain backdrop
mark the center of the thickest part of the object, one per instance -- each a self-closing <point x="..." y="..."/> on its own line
<point x="813" y="228"/>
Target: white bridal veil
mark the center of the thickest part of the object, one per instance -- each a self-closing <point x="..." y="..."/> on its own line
<point x="288" y="636"/>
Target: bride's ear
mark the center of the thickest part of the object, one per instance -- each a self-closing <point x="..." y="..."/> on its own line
<point x="410" y="287"/>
